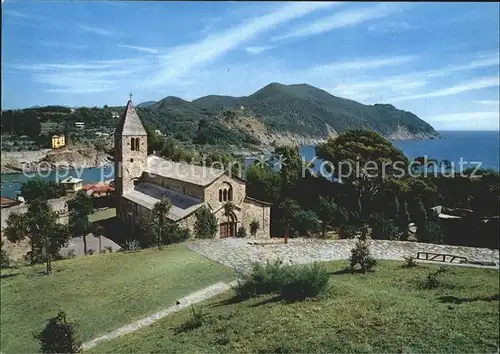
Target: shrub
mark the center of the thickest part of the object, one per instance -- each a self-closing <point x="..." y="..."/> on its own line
<point x="292" y="283"/>
<point x="432" y="281"/>
<point x="254" y="227"/>
<point x="304" y="281"/>
<point x="360" y="256"/>
<point x="384" y="229"/>
<point x="59" y="336"/>
<point x="71" y="254"/>
<point x="197" y="319"/>
<point x="410" y="262"/>
<point x="242" y="232"/>
<point x="109" y="249"/>
<point x="173" y="233"/>
<point x="90" y="252"/>
<point x="263" y="279"/>
<point x="131" y="245"/>
<point x="206" y="223"/>
<point x="4" y="258"/>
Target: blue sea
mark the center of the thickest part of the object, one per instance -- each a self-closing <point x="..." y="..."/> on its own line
<point x="470" y="146"/>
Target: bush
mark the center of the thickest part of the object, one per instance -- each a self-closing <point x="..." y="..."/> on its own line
<point x="432" y="281"/>
<point x="71" y="254"/>
<point x="384" y="229"/>
<point x="131" y="245"/>
<point x="254" y="227"/>
<point x="410" y="262"/>
<point x="109" y="249"/>
<point x="242" y="232"/>
<point x="90" y="252"/>
<point x="292" y="283"/>
<point x="305" y="281"/>
<point x="360" y="256"/>
<point x="197" y="319"/>
<point x="263" y="279"/>
<point x="4" y="258"/>
<point x="206" y="223"/>
<point x="430" y="232"/>
<point x="59" y="336"/>
<point x="173" y="233"/>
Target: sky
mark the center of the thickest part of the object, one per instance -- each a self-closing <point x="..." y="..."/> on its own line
<point x="437" y="60"/>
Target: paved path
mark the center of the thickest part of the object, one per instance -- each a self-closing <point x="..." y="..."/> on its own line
<point x="187" y="301"/>
<point x="239" y="255"/>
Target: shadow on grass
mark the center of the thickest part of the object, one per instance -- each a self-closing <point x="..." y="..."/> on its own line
<point x="231" y="301"/>
<point x="458" y="300"/>
<point x="347" y="271"/>
<point x="267" y="301"/>
<point x="5" y="276"/>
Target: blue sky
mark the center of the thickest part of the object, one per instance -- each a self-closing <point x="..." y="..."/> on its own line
<point x="437" y="60"/>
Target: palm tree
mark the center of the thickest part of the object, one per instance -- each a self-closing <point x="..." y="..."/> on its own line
<point x="228" y="211"/>
<point x="161" y="209"/>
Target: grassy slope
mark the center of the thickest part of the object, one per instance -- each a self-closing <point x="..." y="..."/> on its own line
<point x="100" y="292"/>
<point x="381" y="312"/>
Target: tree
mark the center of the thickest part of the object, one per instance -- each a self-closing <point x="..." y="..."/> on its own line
<point x="263" y="183"/>
<point x="161" y="209"/>
<point x="384" y="229"/>
<point x="288" y="208"/>
<point x="254" y="227"/>
<point x="80" y="209"/>
<point x="38" y="188"/>
<point x="403" y="218"/>
<point x="430" y="232"/>
<point x="39" y="226"/>
<point x="330" y="213"/>
<point x="306" y="222"/>
<point x="59" y="336"/>
<point x="371" y="158"/>
<point x="419" y="215"/>
<point x="290" y="167"/>
<point x="205" y="225"/>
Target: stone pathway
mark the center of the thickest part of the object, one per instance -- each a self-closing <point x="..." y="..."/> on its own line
<point x="185" y="302"/>
<point x="239" y="255"/>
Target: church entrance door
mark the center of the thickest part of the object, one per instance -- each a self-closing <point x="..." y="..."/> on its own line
<point x="227" y="229"/>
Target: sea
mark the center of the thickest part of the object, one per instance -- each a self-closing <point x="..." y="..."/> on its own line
<point x="470" y="147"/>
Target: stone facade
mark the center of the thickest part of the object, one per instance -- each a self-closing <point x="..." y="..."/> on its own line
<point x="140" y="182"/>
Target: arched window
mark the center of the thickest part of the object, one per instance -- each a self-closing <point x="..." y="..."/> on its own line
<point x="132" y="144"/>
<point x="224" y="194"/>
<point x="220" y="195"/>
<point x="230" y="194"/>
<point x="137" y="144"/>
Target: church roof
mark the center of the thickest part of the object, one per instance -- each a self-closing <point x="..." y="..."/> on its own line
<point x="147" y="195"/>
<point x="198" y="175"/>
<point x="130" y="123"/>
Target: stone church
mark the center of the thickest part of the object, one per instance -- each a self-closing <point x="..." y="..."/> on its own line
<point x="142" y="180"/>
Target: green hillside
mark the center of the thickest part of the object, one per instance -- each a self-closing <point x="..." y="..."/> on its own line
<point x="273" y="111"/>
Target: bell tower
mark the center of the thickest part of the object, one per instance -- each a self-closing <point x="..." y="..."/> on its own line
<point x="131" y="150"/>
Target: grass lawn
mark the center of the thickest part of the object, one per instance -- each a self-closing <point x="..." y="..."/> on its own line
<point x="386" y="311"/>
<point x="103" y="215"/>
<point x="99" y="292"/>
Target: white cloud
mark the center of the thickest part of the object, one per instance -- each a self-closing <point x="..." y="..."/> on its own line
<point x="466" y="120"/>
<point x="340" y="19"/>
<point x="257" y="49"/>
<point x="488" y="102"/>
<point x="17" y="14"/>
<point x="140" y="49"/>
<point x="362" y="64"/>
<point x="476" y="84"/>
<point x="62" y="45"/>
<point x="180" y="60"/>
<point x="97" y="30"/>
<point x="480" y="62"/>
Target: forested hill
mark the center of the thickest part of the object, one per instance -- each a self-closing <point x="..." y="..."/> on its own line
<point x="275" y="114"/>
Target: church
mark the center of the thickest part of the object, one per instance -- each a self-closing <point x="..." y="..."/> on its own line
<point x="142" y="180"/>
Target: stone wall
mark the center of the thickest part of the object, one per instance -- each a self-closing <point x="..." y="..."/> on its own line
<point x="211" y="195"/>
<point x="252" y="210"/>
<point x="175" y="185"/>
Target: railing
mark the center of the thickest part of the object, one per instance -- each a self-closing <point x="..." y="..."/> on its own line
<point x="440" y="257"/>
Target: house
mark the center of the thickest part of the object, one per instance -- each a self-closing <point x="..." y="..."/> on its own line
<point x="99" y="189"/>
<point x="72" y="184"/>
<point x="7" y="202"/>
<point x="58" y="141"/>
<point x="142" y="180"/>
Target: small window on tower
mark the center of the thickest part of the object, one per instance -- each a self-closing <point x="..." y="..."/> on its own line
<point x="131" y="160"/>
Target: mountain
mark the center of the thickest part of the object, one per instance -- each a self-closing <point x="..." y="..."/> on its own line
<point x="274" y="115"/>
<point x="146" y="104"/>
<point x="307" y="111"/>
